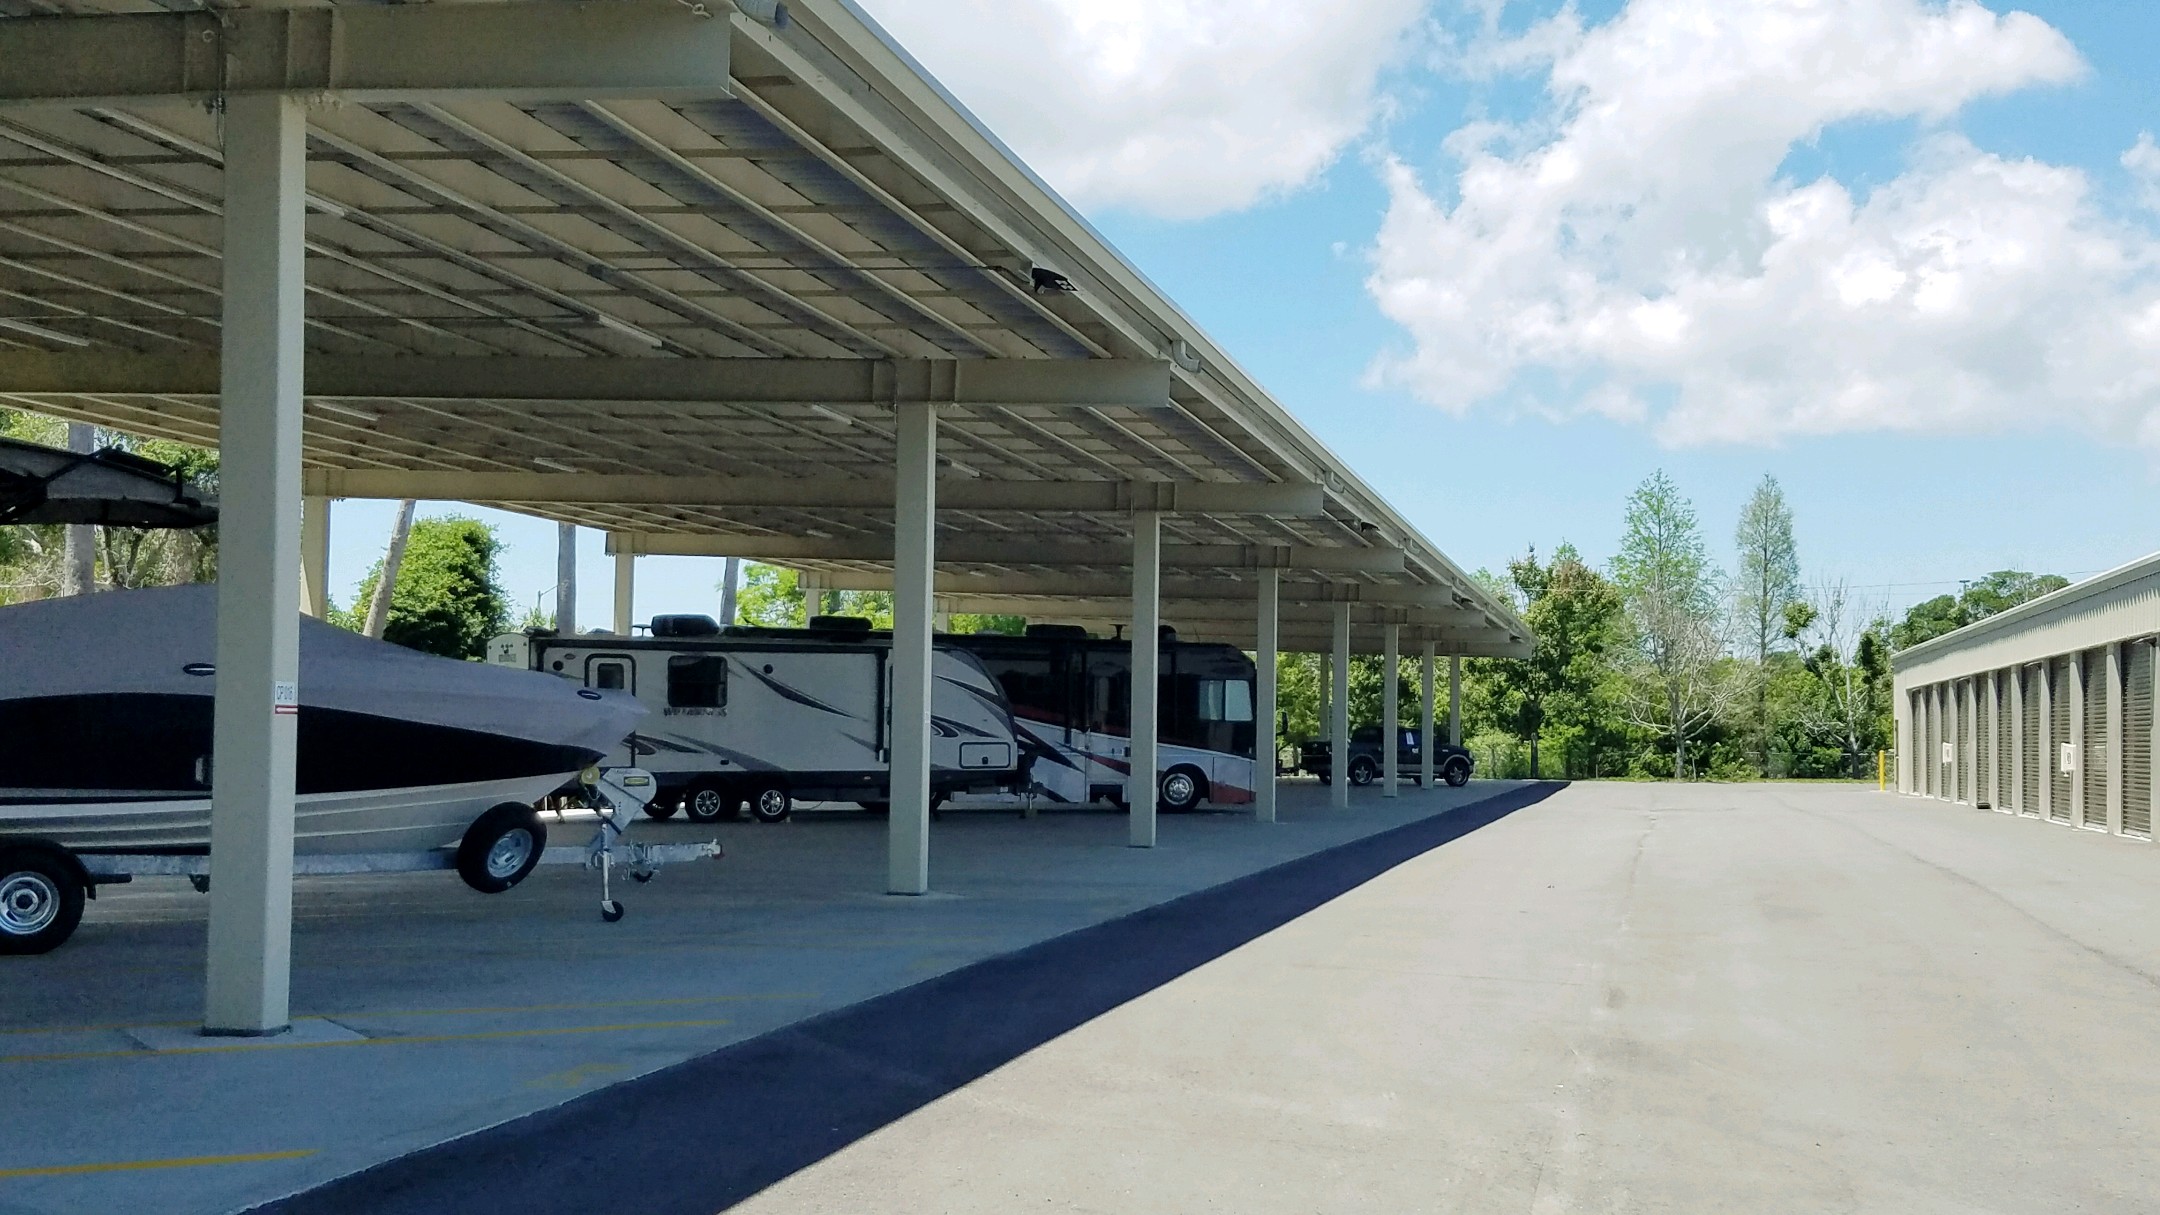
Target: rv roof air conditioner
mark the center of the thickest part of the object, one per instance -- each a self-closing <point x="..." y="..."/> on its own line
<point x="685" y="626"/>
<point x="841" y="624"/>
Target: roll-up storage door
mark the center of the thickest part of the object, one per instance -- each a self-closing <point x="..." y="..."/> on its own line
<point x="2137" y="739"/>
<point x="2093" y="764"/>
<point x="1961" y="755"/>
<point x="1915" y="741"/>
<point x="1983" y="745"/>
<point x="2059" y="690"/>
<point x="2029" y="741"/>
<point x="1932" y="755"/>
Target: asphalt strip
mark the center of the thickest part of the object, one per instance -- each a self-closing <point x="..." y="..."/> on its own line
<point x="783" y="1101"/>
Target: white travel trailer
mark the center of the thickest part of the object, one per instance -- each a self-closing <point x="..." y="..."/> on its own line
<point x="769" y="717"/>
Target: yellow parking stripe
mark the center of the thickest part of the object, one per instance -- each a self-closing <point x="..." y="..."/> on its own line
<point x="228" y="1048"/>
<point x="497" y="1010"/>
<point x="130" y="1166"/>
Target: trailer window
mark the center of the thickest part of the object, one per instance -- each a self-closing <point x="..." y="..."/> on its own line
<point x="608" y="676"/>
<point x="697" y="681"/>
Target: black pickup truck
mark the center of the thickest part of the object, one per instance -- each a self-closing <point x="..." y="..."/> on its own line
<point x="1450" y="763"/>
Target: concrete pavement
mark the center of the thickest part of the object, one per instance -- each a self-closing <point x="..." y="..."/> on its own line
<point x="1627" y="998"/>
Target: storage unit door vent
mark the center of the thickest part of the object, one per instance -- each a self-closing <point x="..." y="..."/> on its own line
<point x="2029" y="742"/>
<point x="2094" y="770"/>
<point x="2059" y="738"/>
<point x="2138" y="739"/>
<point x="1983" y="733"/>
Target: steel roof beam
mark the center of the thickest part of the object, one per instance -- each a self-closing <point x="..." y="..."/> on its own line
<point x="541" y="51"/>
<point x="968" y="551"/>
<point x="1100" y="588"/>
<point x="814" y="493"/>
<point x="1087" y="383"/>
<point x="1091" y="600"/>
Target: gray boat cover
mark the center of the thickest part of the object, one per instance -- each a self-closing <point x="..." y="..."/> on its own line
<point x="164" y="642"/>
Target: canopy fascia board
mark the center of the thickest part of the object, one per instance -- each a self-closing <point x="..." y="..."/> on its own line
<point x="1222" y="594"/>
<point x="812" y="493"/>
<point x="964" y="551"/>
<point x="545" y="50"/>
<point x="1204" y="607"/>
<point x="1057" y="383"/>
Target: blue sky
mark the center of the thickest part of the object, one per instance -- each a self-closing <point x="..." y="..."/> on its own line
<point x="1902" y="496"/>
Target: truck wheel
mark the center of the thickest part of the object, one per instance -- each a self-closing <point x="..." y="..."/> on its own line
<point x="769" y="803"/>
<point x="1326" y="779"/>
<point x="1362" y="771"/>
<point x="41" y="899"/>
<point x="1181" y="790"/>
<point x="500" y="848"/>
<point x="1458" y="774"/>
<point x="708" y="803"/>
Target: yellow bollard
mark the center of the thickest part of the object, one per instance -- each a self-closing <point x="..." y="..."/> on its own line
<point x="1882" y="770"/>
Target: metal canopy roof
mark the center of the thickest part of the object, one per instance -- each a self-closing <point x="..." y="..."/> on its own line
<point x="672" y="291"/>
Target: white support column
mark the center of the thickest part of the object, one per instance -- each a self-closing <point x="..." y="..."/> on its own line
<point x="625" y="592"/>
<point x="1390" y="711"/>
<point x="1339" y="711"/>
<point x="1146" y="669"/>
<point x="78" y="555"/>
<point x="907" y="841"/>
<point x="315" y="557"/>
<point x="1426" y="721"/>
<point x="1265" y="741"/>
<point x="2113" y="672"/>
<point x="258" y="632"/>
<point x="566" y="579"/>
<point x="1454" y="700"/>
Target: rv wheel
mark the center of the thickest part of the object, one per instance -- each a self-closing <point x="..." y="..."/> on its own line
<point x="659" y="809"/>
<point x="708" y="804"/>
<point x="41" y="899"/>
<point x="500" y="848"/>
<point x="769" y="803"/>
<point x="1181" y="791"/>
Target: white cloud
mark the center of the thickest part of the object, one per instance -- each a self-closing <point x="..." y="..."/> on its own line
<point x="1180" y="108"/>
<point x="1637" y="247"/>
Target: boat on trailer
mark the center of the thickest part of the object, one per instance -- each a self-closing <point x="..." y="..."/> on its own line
<point x="106" y="732"/>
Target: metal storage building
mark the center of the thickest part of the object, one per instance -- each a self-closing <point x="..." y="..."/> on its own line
<point x="2045" y="710"/>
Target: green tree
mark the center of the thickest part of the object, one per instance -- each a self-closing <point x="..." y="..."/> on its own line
<point x="1977" y="600"/>
<point x="1678" y="685"/>
<point x="1767" y="585"/>
<point x="771" y="597"/>
<point x="448" y="598"/>
<point x="1561" y="689"/>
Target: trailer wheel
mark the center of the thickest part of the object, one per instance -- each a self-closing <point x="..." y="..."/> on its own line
<point x="708" y="803"/>
<point x="611" y="911"/>
<point x="769" y="803"/>
<point x="1182" y="790"/>
<point x="659" y="809"/>
<point x="1458" y="773"/>
<point x="41" y="899"/>
<point x="500" y="848"/>
<point x="1362" y="771"/>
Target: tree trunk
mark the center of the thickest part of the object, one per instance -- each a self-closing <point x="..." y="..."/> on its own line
<point x="78" y="558"/>
<point x="1534" y="758"/>
<point x="730" y="588"/>
<point x="378" y="613"/>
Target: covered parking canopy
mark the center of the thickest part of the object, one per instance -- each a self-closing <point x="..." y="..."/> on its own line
<point x="732" y="279"/>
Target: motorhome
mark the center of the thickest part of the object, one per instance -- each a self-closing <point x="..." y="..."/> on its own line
<point x="771" y="717"/>
<point x="1071" y="694"/>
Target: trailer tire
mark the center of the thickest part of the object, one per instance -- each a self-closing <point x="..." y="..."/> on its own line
<point x="1181" y="790"/>
<point x="769" y="802"/>
<point x="1458" y="773"/>
<point x="501" y="847"/>
<point x="709" y="803"/>
<point x="41" y="898"/>
<point x="1363" y="770"/>
<point x="659" y="809"/>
